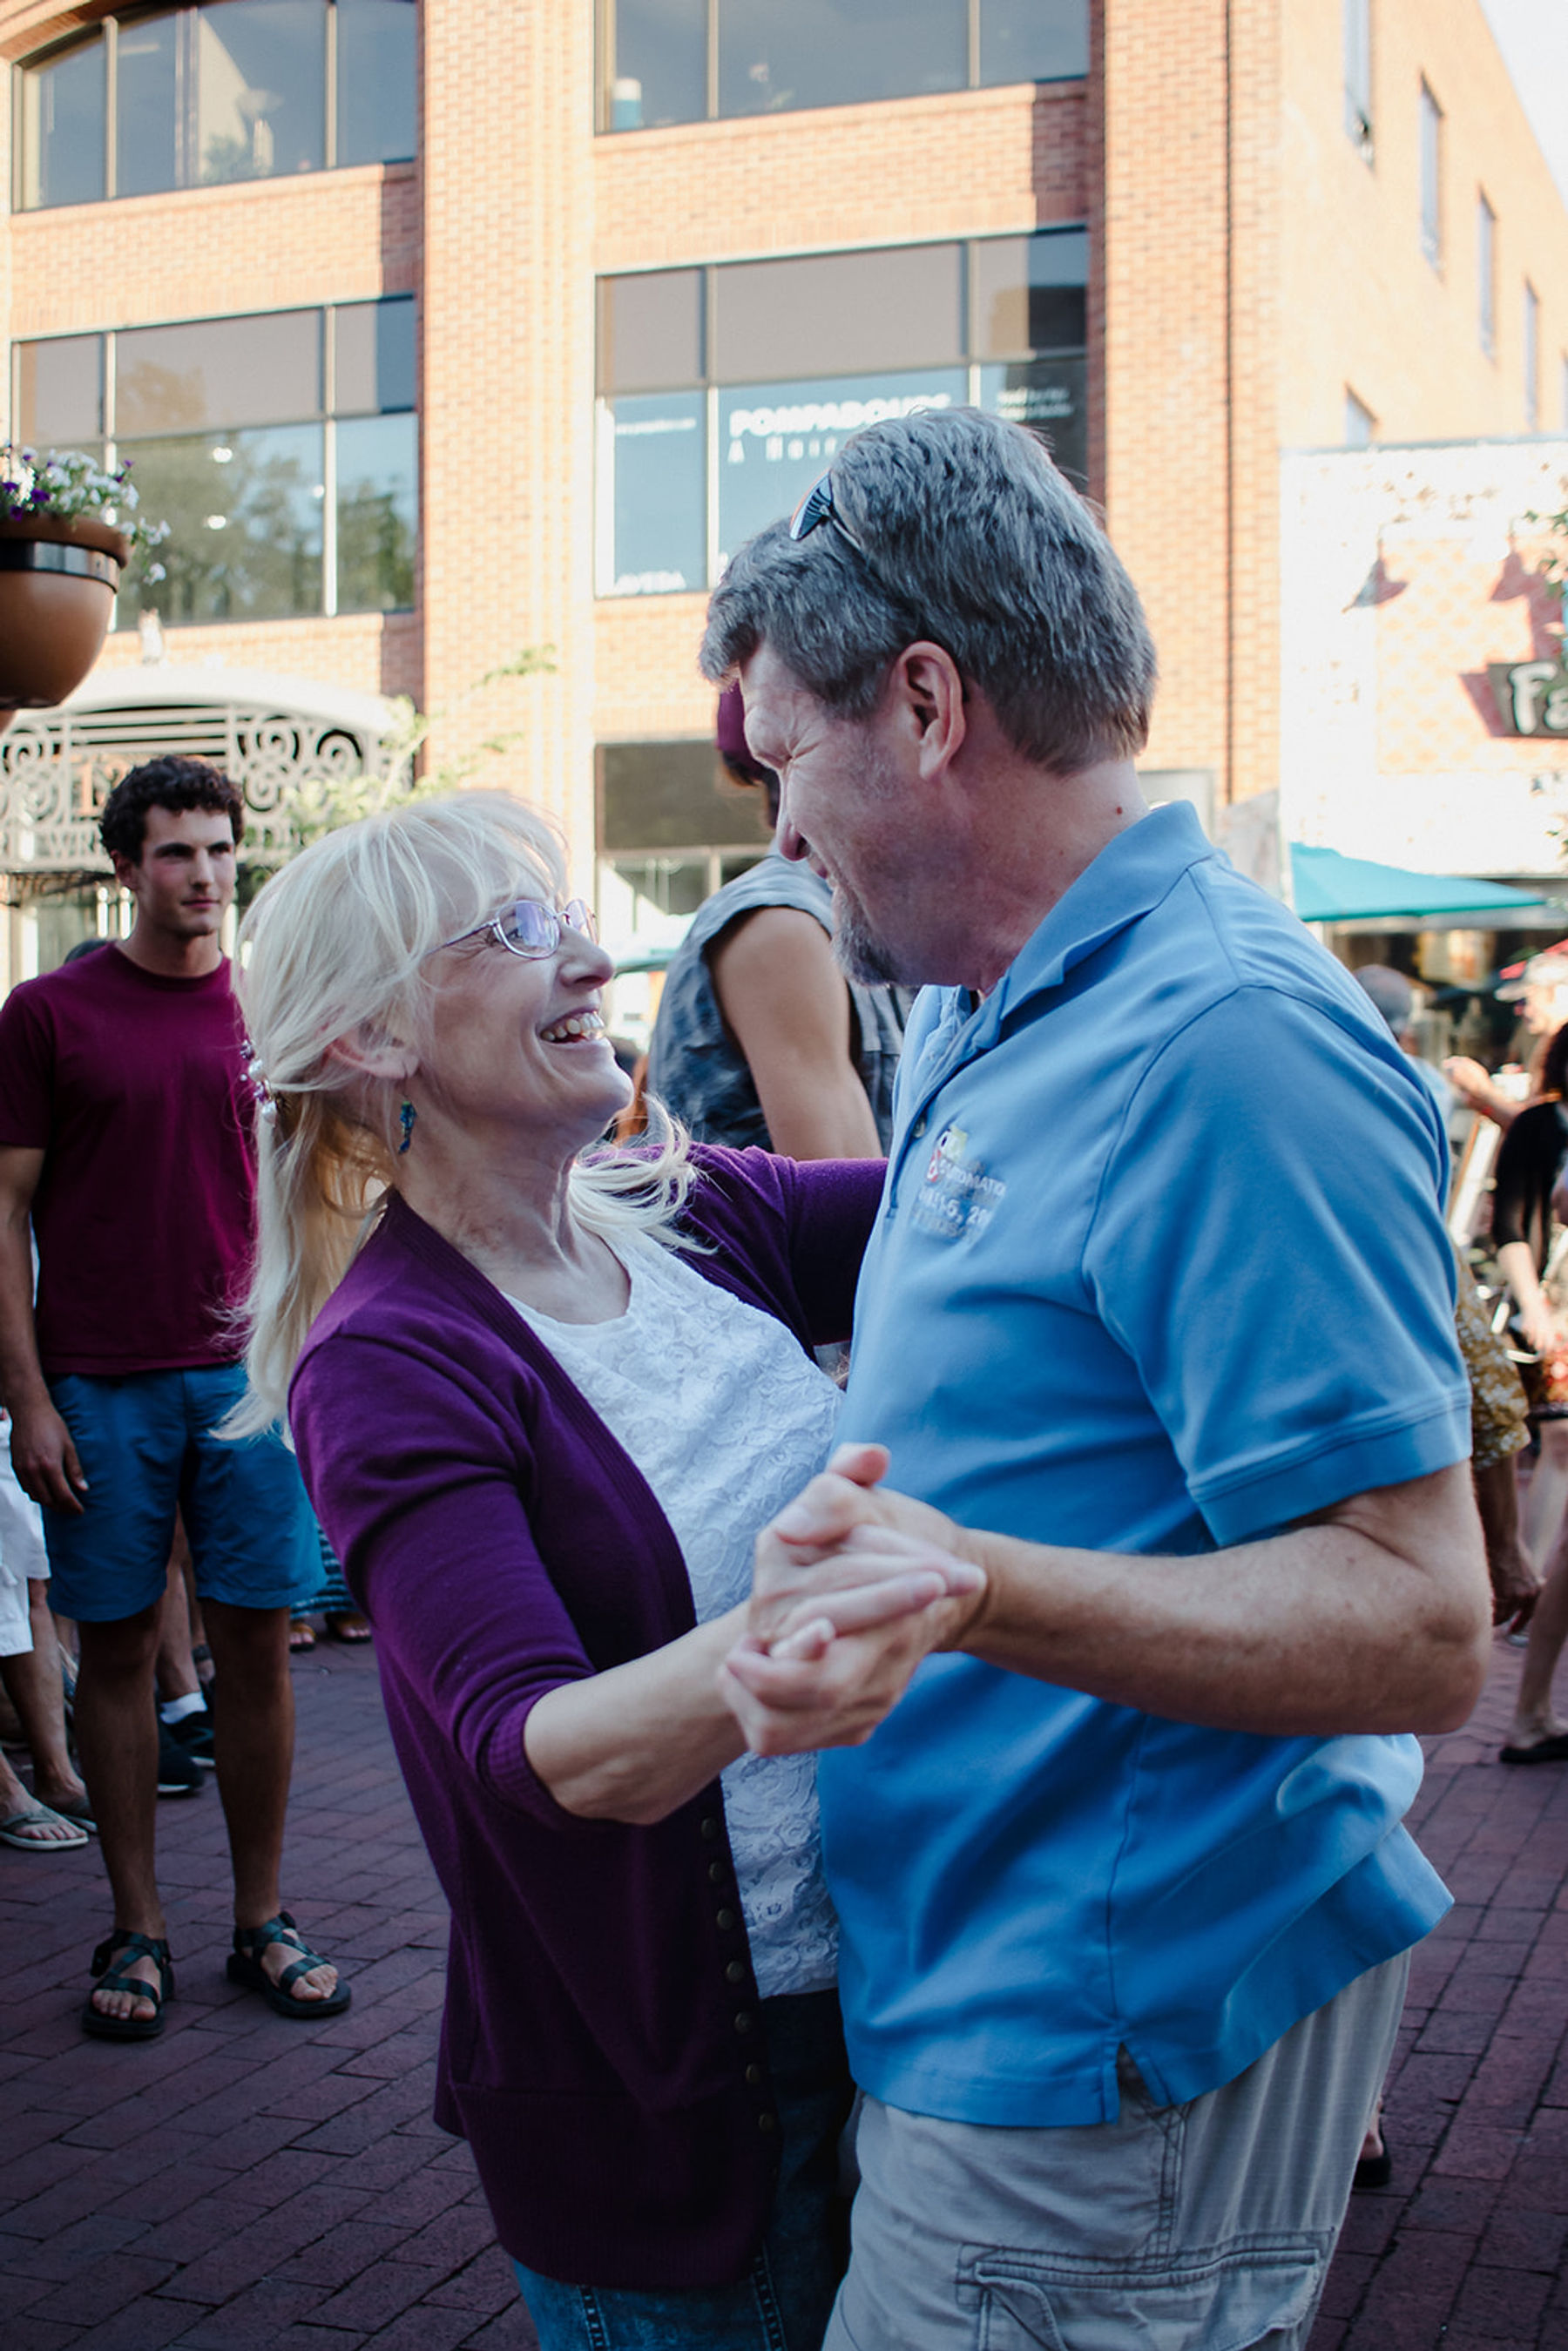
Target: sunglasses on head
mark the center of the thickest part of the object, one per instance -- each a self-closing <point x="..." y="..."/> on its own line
<point x="819" y="505"/>
<point x="530" y="928"/>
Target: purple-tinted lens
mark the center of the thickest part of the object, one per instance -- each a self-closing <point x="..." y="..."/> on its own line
<point x="529" y="928"/>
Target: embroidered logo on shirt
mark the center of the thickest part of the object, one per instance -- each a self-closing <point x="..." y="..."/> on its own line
<point x="957" y="1197"/>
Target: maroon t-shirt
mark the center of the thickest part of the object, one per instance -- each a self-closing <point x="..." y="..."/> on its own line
<point x="135" y="1087"/>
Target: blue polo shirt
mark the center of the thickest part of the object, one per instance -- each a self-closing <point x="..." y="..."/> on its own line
<point x="1160" y="1268"/>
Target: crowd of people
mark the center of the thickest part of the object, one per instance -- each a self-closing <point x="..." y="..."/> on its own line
<point x="970" y="1779"/>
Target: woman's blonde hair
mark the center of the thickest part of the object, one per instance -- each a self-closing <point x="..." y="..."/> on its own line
<point x="335" y="947"/>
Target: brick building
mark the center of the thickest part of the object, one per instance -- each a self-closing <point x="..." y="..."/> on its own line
<point x="441" y="329"/>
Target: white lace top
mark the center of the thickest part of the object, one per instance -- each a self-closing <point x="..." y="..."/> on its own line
<point x="726" y="1419"/>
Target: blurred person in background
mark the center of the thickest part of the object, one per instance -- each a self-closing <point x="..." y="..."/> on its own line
<point x="1530" y="1247"/>
<point x="1498" y="1410"/>
<point x="760" y="1038"/>
<point x="1539" y="988"/>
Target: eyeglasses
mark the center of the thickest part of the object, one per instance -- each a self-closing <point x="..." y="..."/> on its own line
<point x="820" y="505"/>
<point x="529" y="928"/>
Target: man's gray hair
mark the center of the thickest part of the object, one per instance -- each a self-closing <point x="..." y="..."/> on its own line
<point x="972" y="540"/>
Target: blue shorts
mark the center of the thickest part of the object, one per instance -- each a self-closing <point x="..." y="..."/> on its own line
<point x="148" y="1442"/>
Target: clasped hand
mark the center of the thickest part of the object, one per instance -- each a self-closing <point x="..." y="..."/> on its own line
<point x="854" y="1585"/>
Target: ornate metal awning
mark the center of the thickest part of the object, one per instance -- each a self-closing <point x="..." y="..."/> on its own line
<point x="272" y="733"/>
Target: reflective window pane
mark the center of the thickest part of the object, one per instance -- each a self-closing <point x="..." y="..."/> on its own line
<point x="776" y="439"/>
<point x="675" y="795"/>
<point x="377" y="56"/>
<point x="1027" y="293"/>
<point x="147" y="139"/>
<point x="59" y="392"/>
<point x="657" y="69"/>
<point x="378" y="513"/>
<point x="219" y="371"/>
<point x="1051" y="396"/>
<point x="772" y="58"/>
<point x="652" y="487"/>
<point x="1033" y="40"/>
<point x="837" y="313"/>
<point x="650" y="331"/>
<point x="63" y="129"/>
<point x="664" y="885"/>
<point x="261" y="90"/>
<point x="374" y="358"/>
<point x="246" y="514"/>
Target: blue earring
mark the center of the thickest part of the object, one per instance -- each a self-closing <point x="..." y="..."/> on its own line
<point x="405" y="1119"/>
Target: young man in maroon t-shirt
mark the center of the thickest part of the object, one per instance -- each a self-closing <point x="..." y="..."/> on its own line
<point x="126" y="1151"/>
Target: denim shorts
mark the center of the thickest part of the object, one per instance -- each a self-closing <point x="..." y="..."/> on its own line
<point x="782" y="2304"/>
<point x="149" y="1443"/>
<point x="1203" y="2227"/>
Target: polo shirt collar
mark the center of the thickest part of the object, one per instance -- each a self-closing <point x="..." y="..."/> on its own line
<point x="1128" y="879"/>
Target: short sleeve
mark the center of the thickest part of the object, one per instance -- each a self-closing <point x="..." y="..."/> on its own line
<point x="27" y="1072"/>
<point x="1269" y="1248"/>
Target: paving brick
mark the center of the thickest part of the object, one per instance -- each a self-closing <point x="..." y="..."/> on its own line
<point x="1503" y="2304"/>
<point x="513" y="2330"/>
<point x="379" y="2295"/>
<point x="488" y="2284"/>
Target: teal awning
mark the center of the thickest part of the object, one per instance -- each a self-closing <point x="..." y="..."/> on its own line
<point x="1329" y="888"/>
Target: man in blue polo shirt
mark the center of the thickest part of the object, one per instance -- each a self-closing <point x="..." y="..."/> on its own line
<point x="1158" y="1327"/>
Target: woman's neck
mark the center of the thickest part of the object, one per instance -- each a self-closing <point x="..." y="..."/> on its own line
<point x="510" y="1213"/>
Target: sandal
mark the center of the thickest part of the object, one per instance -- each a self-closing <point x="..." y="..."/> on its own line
<point x="301" y="1635"/>
<point x="352" y="1630"/>
<point x="130" y="1947"/>
<point x="21" y="1829"/>
<point x="244" y="1968"/>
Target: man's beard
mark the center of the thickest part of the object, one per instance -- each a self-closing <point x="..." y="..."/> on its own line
<point x="861" y="954"/>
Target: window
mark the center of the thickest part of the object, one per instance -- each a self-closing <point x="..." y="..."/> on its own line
<point x="235" y="89"/>
<point x="1486" y="275"/>
<point x="724" y="392"/>
<point x="282" y="449"/>
<point x="1431" y="139"/>
<point x="1358" y="76"/>
<point x="671" y="828"/>
<point x="1532" y="359"/>
<point x="664" y="61"/>
<point x="1359" y="424"/>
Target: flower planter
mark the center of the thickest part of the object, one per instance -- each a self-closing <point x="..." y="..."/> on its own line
<point x="57" y="582"/>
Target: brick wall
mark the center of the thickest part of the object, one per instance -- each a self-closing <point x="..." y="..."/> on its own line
<point x="1167" y="458"/>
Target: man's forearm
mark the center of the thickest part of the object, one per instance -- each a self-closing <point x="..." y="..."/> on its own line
<point x="1321" y="1630"/>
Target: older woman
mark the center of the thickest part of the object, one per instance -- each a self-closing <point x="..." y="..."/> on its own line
<point x="543" y="1410"/>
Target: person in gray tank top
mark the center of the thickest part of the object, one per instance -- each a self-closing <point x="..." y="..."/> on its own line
<point x="760" y="1038"/>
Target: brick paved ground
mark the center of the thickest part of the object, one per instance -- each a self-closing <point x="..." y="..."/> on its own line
<point x="246" y="2182"/>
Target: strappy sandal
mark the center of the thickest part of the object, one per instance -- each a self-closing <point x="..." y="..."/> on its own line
<point x="244" y="1968"/>
<point x="124" y="1948"/>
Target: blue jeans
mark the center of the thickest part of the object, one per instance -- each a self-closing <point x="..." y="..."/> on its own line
<point x="782" y="2304"/>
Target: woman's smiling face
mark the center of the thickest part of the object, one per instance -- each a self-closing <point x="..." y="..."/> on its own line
<point x="519" y="1041"/>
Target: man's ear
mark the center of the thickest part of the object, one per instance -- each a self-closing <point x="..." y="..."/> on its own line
<point x="365" y="1053"/>
<point x="926" y="680"/>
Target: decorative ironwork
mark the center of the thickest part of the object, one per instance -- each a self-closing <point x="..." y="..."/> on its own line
<point x="58" y="767"/>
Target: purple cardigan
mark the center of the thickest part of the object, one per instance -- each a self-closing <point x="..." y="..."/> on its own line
<point x="602" y="2049"/>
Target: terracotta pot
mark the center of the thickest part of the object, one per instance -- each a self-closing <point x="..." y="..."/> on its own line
<point x="57" y="581"/>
